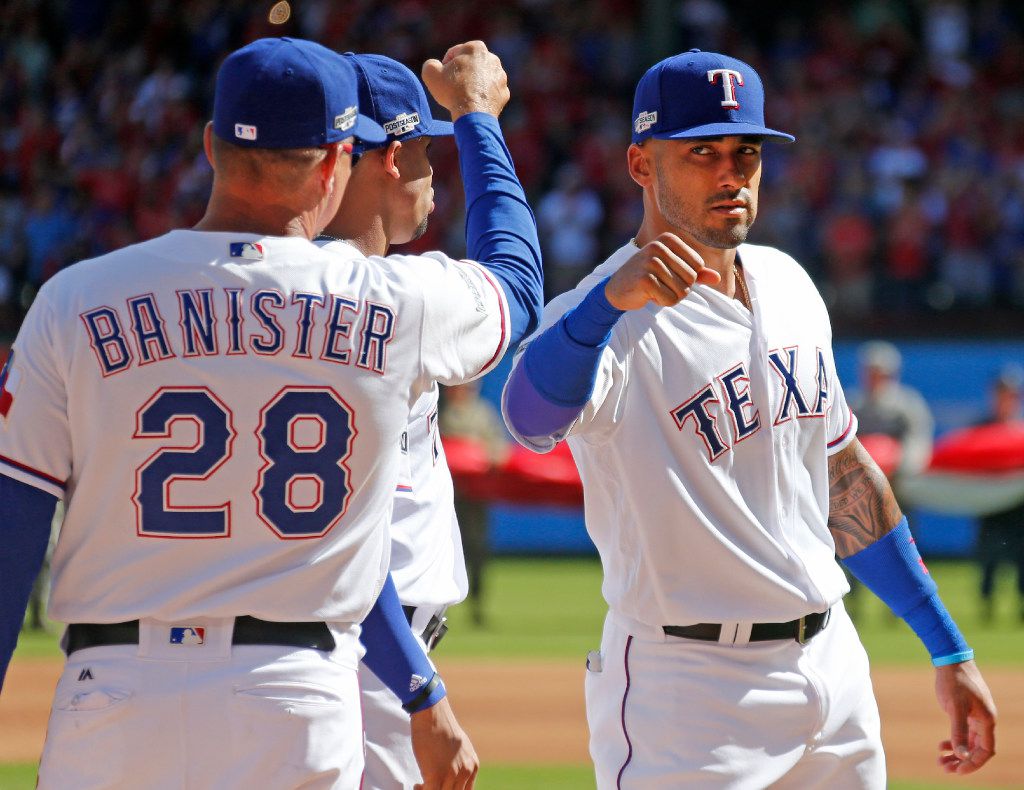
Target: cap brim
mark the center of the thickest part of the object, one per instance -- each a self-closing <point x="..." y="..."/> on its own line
<point x="726" y="130"/>
<point x="368" y="130"/>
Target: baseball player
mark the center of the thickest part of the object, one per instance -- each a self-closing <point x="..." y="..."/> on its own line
<point x="219" y="408"/>
<point x="388" y="201"/>
<point x="693" y="376"/>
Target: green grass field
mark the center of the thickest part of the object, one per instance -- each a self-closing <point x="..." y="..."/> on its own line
<point x="558" y="604"/>
<point x="552" y="608"/>
<point x="492" y="777"/>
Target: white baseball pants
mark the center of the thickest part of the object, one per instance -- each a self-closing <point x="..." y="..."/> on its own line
<point x="161" y="716"/>
<point x="390" y="761"/>
<point x="674" y="713"/>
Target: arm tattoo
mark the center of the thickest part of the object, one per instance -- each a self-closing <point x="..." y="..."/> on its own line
<point x="862" y="507"/>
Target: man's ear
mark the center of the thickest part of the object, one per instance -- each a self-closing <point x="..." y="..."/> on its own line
<point x="329" y="164"/>
<point x="208" y="144"/>
<point x="639" y="160"/>
<point x="391" y="159"/>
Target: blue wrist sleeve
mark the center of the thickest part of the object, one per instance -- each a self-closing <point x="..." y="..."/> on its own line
<point x="501" y="231"/>
<point x="25" y="517"/>
<point x="893" y="569"/>
<point x="394" y="655"/>
<point x="556" y="376"/>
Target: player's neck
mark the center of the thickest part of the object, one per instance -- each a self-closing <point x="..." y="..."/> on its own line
<point x="721" y="260"/>
<point x="226" y="213"/>
<point x="369" y="240"/>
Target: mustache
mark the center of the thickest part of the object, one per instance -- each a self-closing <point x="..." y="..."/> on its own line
<point x="720" y="197"/>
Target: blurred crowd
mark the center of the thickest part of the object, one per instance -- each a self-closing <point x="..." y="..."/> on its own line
<point x="904" y="193"/>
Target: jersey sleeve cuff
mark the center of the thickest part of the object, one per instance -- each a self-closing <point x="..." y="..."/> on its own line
<point x="846" y="436"/>
<point x="24" y="473"/>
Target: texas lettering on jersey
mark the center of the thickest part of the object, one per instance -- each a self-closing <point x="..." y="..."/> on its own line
<point x="729" y="396"/>
<point x="211" y="323"/>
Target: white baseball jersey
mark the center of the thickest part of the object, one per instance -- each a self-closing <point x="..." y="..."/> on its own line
<point x="426" y="547"/>
<point x="703" y="451"/>
<point x="221" y="412"/>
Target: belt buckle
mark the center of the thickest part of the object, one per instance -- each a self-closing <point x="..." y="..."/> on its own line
<point x="801" y="630"/>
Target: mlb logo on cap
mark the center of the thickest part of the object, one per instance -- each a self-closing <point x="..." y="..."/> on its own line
<point x="243" y="132"/>
<point x="700" y="94"/>
<point x="187" y="635"/>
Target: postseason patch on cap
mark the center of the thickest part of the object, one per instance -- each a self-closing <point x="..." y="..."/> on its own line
<point x="346" y="120"/>
<point x="245" y="132"/>
<point x="403" y="123"/>
<point x="645" y="121"/>
<point x="247" y="249"/>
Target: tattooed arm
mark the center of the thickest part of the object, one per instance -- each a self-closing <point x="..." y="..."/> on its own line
<point x="874" y="542"/>
<point x="862" y="507"/>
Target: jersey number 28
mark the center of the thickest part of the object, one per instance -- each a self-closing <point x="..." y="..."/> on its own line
<point x="305" y="436"/>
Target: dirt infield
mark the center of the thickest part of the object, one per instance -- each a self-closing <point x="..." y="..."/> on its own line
<point x="532" y="712"/>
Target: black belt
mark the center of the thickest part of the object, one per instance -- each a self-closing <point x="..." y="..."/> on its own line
<point x="801" y="630"/>
<point x="436" y="628"/>
<point x="247" y="631"/>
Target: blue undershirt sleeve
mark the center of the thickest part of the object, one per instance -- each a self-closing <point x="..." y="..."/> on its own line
<point x="394" y="655"/>
<point x="555" y="378"/>
<point x="25" y="517"/>
<point x="892" y="569"/>
<point x="501" y="231"/>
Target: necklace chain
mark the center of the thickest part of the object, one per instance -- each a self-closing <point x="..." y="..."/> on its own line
<point x="327" y="237"/>
<point x="745" y="295"/>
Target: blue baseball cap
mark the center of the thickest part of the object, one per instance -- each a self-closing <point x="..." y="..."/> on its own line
<point x="700" y="94"/>
<point x="288" y="93"/>
<point x="393" y="96"/>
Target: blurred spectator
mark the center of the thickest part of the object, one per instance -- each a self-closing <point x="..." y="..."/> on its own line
<point x="849" y="247"/>
<point x="49" y="231"/>
<point x="1001" y="535"/>
<point x="568" y="219"/>
<point x="466" y="415"/>
<point x="905" y="189"/>
<point x="887" y="407"/>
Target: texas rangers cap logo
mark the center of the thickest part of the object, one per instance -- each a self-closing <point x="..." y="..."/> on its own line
<point x="730" y="79"/>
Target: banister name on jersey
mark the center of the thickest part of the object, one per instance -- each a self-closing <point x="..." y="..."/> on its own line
<point x="232" y="405"/>
<point x="703" y="450"/>
<point x="138" y="333"/>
